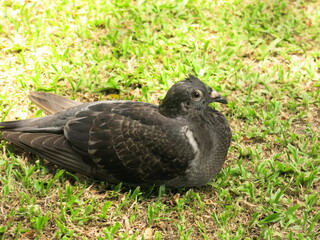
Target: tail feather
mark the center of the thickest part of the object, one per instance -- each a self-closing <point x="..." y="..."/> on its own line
<point x="44" y="136"/>
<point x="43" y="145"/>
<point x="14" y="125"/>
<point x="51" y="103"/>
<point x="35" y="125"/>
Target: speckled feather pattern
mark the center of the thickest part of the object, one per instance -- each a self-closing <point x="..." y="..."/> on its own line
<point x="183" y="142"/>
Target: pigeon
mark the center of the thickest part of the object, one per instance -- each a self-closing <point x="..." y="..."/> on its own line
<point x="183" y="142"/>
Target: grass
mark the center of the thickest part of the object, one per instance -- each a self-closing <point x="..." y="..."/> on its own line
<point x="264" y="56"/>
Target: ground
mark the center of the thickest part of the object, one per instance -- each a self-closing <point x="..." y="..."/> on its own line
<point x="263" y="56"/>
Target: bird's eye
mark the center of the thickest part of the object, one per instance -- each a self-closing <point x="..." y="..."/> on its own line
<point x="197" y="95"/>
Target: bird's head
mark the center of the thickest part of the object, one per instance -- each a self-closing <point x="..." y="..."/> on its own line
<point x="188" y="96"/>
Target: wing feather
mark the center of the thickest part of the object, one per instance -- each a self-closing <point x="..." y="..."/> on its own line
<point x="134" y="142"/>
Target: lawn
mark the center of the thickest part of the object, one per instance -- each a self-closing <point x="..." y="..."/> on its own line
<point x="262" y="55"/>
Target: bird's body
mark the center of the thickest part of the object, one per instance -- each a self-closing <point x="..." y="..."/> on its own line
<point x="182" y="142"/>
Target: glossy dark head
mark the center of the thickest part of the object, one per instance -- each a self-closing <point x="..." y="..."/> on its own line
<point x="188" y="95"/>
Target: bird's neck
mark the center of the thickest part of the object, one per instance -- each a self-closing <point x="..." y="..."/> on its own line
<point x="172" y="110"/>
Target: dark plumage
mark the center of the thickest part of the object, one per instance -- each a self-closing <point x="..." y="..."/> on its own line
<point x="182" y="142"/>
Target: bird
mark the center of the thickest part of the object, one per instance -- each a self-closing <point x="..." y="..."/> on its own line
<point x="182" y="142"/>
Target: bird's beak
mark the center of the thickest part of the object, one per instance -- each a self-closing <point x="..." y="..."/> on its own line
<point x="216" y="97"/>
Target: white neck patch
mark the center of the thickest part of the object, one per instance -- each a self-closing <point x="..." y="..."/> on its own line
<point x="189" y="134"/>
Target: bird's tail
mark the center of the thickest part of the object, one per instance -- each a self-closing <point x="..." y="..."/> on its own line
<point x="29" y="125"/>
<point x="51" y="103"/>
<point x="15" y="126"/>
<point x="48" y="102"/>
